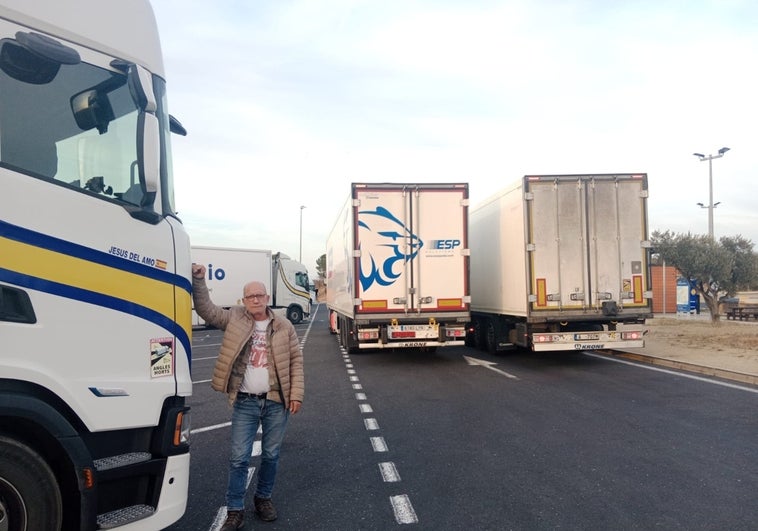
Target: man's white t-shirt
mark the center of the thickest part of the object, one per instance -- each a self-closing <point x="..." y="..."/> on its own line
<point x="255" y="380"/>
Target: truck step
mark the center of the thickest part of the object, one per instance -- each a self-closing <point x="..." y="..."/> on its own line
<point x="116" y="461"/>
<point x="124" y="516"/>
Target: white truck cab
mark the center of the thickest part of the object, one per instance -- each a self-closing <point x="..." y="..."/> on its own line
<point x="95" y="303"/>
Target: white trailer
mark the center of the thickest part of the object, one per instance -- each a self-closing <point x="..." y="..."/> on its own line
<point x="561" y="262"/>
<point x="398" y="266"/>
<point x="95" y="273"/>
<point x="229" y="269"/>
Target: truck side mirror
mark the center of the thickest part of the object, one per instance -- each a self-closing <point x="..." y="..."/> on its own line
<point x="92" y="109"/>
<point x="148" y="131"/>
<point x="148" y="154"/>
<point x="176" y="126"/>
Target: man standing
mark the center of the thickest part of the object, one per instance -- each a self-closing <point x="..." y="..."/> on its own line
<point x="260" y="368"/>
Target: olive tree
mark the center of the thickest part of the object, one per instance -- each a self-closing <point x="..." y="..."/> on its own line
<point x="716" y="268"/>
<point x="744" y="275"/>
<point x="321" y="267"/>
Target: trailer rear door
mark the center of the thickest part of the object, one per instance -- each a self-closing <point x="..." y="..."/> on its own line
<point x="413" y="247"/>
<point x="588" y="242"/>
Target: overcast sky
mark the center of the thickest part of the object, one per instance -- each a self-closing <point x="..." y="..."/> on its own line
<point x="289" y="101"/>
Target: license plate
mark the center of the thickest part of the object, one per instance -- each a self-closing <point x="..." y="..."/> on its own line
<point x="413" y="328"/>
<point x="586" y="337"/>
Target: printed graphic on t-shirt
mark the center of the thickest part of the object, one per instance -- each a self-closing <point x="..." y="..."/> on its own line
<point x="256" y="379"/>
<point x="258" y="358"/>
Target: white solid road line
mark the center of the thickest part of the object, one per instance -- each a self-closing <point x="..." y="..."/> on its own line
<point x="210" y="428"/>
<point x="675" y="373"/>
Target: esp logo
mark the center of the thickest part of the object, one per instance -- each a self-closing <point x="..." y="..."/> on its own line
<point x="445" y="244"/>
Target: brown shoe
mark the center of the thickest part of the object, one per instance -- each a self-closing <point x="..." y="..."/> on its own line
<point x="264" y="507"/>
<point x="234" y="521"/>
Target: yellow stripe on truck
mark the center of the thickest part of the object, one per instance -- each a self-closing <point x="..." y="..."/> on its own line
<point x="83" y="274"/>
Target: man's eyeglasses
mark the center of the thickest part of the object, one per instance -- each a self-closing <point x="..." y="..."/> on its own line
<point x="254" y="296"/>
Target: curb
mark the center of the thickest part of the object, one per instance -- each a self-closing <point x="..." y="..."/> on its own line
<point x="725" y="374"/>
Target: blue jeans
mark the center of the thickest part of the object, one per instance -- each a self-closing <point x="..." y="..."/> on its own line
<point x="247" y="413"/>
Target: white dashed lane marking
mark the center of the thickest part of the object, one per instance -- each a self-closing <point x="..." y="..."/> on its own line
<point x="404" y="513"/>
<point x="379" y="444"/>
<point x="389" y="472"/>
<point x="401" y="504"/>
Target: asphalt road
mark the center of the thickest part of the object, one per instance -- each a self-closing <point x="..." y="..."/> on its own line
<point x="388" y="439"/>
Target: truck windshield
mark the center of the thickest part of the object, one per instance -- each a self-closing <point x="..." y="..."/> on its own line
<point x="301" y="279"/>
<point x="78" y="130"/>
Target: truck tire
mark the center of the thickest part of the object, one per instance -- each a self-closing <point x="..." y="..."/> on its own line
<point x="29" y="495"/>
<point x="478" y="335"/>
<point x="294" y="314"/>
<point x="490" y="337"/>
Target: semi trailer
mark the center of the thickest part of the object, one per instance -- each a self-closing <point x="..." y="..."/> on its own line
<point x="397" y="265"/>
<point x="229" y="269"/>
<point x="561" y="262"/>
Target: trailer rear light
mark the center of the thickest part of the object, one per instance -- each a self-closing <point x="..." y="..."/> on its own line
<point x="455" y="332"/>
<point x="634" y="334"/>
<point x="364" y="335"/>
<point x="542" y="338"/>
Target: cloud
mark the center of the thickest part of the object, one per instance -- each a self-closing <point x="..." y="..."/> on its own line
<point x="286" y="103"/>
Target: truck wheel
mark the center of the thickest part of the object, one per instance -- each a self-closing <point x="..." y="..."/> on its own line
<point x="294" y="314"/>
<point x="29" y="495"/>
<point x="490" y="339"/>
<point x="478" y="335"/>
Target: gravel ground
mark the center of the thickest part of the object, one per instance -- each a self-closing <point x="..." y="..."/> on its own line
<point x="730" y="345"/>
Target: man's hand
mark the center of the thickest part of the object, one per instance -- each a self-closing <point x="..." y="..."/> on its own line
<point x="295" y="406"/>
<point x="198" y="271"/>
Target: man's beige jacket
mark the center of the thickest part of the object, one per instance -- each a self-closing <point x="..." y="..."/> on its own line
<point x="238" y="325"/>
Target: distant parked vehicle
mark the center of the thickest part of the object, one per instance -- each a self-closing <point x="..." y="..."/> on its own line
<point x="561" y="262"/>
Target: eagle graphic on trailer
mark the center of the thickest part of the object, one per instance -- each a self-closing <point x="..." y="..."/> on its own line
<point x="378" y="264"/>
<point x="397" y="266"/>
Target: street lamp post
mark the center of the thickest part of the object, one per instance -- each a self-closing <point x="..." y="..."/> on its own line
<point x="711" y="205"/>
<point x="301" y="233"/>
